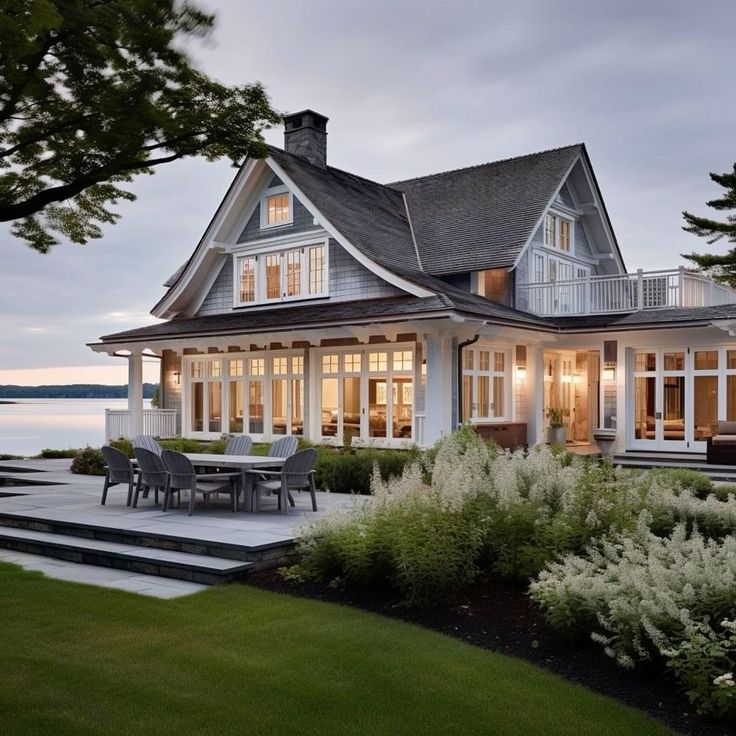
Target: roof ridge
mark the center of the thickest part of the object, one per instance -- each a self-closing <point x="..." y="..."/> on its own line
<point x="486" y="163"/>
<point x="338" y="170"/>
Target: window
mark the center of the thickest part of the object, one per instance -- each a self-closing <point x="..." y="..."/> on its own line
<point x="494" y="284"/>
<point x="486" y="383"/>
<point x="247" y="271"/>
<point x="290" y="274"/>
<point x="558" y="233"/>
<point x="276" y="208"/>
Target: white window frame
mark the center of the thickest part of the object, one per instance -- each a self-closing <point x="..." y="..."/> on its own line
<point x="266" y="380"/>
<point x="558" y="217"/>
<point x="260" y="253"/>
<point x="364" y="375"/>
<point x="273" y="192"/>
<point x="475" y="372"/>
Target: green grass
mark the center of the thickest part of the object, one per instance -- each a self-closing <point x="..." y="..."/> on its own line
<point x="236" y="660"/>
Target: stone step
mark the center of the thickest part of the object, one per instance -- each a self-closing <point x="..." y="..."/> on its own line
<point x="197" y="568"/>
<point x="714" y="472"/>
<point x="272" y="554"/>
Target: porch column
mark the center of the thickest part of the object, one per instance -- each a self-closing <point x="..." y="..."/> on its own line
<point x="439" y="387"/>
<point x="535" y="395"/>
<point x="135" y="393"/>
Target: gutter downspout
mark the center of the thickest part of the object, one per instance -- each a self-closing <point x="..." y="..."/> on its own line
<point x="461" y="346"/>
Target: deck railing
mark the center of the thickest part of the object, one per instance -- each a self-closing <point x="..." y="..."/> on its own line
<point x="628" y="292"/>
<point x="156" y="422"/>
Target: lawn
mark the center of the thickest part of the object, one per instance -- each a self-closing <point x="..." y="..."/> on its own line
<point x="83" y="660"/>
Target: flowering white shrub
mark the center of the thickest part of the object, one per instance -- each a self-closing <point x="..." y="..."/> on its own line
<point x="643" y="596"/>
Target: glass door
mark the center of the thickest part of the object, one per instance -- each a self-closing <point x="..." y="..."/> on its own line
<point x="659" y="407"/>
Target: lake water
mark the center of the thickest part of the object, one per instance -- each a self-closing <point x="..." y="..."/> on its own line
<point x="31" y="425"/>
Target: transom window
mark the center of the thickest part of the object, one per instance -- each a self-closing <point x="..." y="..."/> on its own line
<point x="558" y="232"/>
<point x="297" y="273"/>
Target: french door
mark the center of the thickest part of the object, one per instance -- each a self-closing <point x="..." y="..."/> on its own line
<point x="661" y="411"/>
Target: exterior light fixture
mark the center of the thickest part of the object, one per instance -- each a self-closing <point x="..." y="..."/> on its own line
<point x="177" y="377"/>
<point x="609" y="373"/>
<point x="521" y="372"/>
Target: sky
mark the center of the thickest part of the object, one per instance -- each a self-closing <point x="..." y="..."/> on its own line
<point x="410" y="88"/>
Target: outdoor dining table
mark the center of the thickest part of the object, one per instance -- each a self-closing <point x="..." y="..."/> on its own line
<point x="244" y="463"/>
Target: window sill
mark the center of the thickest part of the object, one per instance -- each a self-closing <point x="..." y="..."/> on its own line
<point x="255" y="306"/>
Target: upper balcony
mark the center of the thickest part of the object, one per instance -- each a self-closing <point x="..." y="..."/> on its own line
<point x="627" y="292"/>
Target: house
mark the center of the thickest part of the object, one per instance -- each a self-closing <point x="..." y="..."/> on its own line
<point x="321" y="304"/>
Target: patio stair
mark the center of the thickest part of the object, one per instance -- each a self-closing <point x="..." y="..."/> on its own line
<point x="169" y="563"/>
<point x="645" y="460"/>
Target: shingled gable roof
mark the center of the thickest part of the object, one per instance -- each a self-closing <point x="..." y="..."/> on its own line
<point x="386" y="309"/>
<point x="483" y="216"/>
<point x="371" y="216"/>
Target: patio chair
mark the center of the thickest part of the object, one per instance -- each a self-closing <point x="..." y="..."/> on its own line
<point x="147" y="442"/>
<point x="239" y="444"/>
<point x="153" y="474"/>
<point x="283" y="447"/>
<point x="119" y="470"/>
<point x="295" y="475"/>
<point x="183" y="477"/>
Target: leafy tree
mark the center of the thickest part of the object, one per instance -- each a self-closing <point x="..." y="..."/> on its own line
<point x="93" y="92"/>
<point x="721" y="267"/>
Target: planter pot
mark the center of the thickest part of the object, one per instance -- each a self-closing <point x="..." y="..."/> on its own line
<point x="556" y="435"/>
<point x="605" y="438"/>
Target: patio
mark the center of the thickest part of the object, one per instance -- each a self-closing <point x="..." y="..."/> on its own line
<point x="49" y="512"/>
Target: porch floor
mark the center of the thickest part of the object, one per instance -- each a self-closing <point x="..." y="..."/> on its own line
<point x="48" y="515"/>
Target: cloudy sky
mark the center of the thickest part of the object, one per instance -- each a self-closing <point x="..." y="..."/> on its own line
<point x="411" y="88"/>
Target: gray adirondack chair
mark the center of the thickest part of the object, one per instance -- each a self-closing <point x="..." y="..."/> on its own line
<point x="153" y="474"/>
<point x="297" y="474"/>
<point x="239" y="444"/>
<point x="182" y="476"/>
<point x="147" y="442"/>
<point x="119" y="470"/>
<point x="283" y="447"/>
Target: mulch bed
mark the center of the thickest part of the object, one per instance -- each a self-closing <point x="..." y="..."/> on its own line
<point x="503" y="619"/>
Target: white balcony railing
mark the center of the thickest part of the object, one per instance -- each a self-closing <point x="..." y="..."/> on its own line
<point x="627" y="292"/>
<point x="156" y="422"/>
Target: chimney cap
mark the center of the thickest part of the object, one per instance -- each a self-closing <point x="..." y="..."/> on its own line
<point x="305" y="119"/>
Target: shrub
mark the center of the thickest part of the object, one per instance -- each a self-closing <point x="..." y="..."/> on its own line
<point x="123" y="444"/>
<point x="673" y="478"/>
<point x="88" y="461"/>
<point x="182" y="444"/>
<point x="643" y="597"/>
<point x="50" y="454"/>
<point x="349" y="470"/>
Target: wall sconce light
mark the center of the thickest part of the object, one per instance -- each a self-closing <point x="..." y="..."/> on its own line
<point x="521" y="372"/>
<point x="566" y="379"/>
<point x="177" y="377"/>
<point x="609" y="373"/>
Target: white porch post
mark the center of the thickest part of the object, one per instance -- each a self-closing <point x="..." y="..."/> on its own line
<point x="535" y="395"/>
<point x="135" y="393"/>
<point x="439" y="387"/>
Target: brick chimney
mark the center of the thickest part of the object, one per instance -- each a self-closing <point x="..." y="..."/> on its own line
<point x="305" y="134"/>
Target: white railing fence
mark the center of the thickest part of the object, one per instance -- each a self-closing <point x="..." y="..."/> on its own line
<point x="627" y="292"/>
<point x="156" y="422"/>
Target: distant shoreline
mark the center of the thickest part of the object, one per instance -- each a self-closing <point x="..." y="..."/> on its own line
<point x="5" y="401"/>
<point x="8" y="393"/>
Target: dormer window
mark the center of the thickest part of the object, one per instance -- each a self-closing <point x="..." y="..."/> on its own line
<point x="281" y="275"/>
<point x="558" y="233"/>
<point x="277" y="208"/>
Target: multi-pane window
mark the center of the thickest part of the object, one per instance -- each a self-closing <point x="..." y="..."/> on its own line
<point x="486" y="382"/>
<point x="557" y="232"/>
<point x="367" y="394"/>
<point x="247" y="280"/>
<point x="277" y="209"/>
<point x="290" y="274"/>
<point x="316" y="269"/>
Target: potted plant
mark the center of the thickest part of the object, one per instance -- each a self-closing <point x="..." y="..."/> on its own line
<point x="605" y="438"/>
<point x="556" y="432"/>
